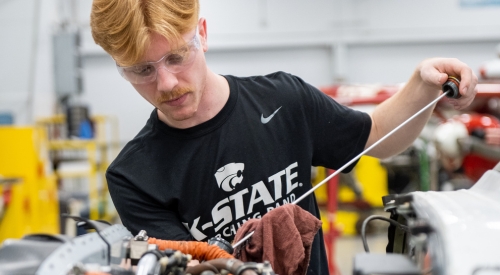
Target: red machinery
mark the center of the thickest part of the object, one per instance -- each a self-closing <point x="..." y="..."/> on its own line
<point x="478" y="119"/>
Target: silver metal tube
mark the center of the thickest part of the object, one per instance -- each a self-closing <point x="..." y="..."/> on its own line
<point x="147" y="264"/>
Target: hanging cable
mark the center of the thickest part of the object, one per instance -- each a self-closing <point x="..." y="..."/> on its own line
<point x="378" y="217"/>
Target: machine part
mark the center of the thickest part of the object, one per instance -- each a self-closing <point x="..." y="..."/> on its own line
<point x="141" y="236"/>
<point x="267" y="269"/>
<point x="199" y="250"/>
<point x="465" y="224"/>
<point x="451" y="232"/>
<point x="137" y="249"/>
<point x="399" y="242"/>
<point x="174" y="263"/>
<point x="220" y="242"/>
<point x="394" y="200"/>
<point x="490" y="69"/>
<point x="477" y="146"/>
<point x="97" y="226"/>
<point x="378" y="217"/>
<point x="88" y="248"/>
<point x="367" y="264"/>
<point x="138" y="246"/>
<point x="264" y="268"/>
<point x="233" y="266"/>
<point x="450" y="87"/>
<point x="396" y="235"/>
<point x="88" y="254"/>
<point x="147" y="264"/>
<point x="446" y="135"/>
<point x="24" y="256"/>
<point x="468" y="142"/>
<point x="55" y="254"/>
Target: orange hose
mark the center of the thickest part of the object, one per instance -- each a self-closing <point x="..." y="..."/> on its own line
<point x="199" y="250"/>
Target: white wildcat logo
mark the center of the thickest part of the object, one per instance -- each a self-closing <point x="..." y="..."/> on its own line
<point x="229" y="175"/>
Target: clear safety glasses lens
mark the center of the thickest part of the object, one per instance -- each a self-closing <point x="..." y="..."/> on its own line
<point x="175" y="62"/>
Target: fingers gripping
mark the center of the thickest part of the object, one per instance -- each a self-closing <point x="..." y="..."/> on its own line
<point x="454" y="77"/>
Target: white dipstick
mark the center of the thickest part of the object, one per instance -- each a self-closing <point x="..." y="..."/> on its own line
<point x="352" y="160"/>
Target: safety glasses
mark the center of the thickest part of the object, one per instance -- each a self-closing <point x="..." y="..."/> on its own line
<point x="175" y="61"/>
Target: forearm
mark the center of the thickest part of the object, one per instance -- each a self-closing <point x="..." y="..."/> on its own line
<point x="415" y="95"/>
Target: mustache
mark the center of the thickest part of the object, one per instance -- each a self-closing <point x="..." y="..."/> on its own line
<point x="175" y="93"/>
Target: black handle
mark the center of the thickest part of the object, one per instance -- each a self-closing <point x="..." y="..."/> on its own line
<point x="450" y="87"/>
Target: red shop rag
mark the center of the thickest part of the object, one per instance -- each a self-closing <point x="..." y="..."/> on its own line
<point x="283" y="236"/>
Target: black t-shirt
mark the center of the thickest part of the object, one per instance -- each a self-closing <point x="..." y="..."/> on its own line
<point x="254" y="155"/>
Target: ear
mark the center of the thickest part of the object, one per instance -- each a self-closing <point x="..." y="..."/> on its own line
<point x="202" y="32"/>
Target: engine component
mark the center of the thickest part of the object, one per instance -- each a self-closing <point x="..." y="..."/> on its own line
<point x="220" y="242"/>
<point x="112" y="250"/>
<point x="448" y="232"/>
<point x="200" y="250"/>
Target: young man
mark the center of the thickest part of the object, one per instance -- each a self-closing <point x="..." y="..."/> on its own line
<point x="219" y="150"/>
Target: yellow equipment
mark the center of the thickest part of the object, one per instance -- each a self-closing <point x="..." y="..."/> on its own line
<point x="95" y="153"/>
<point x="30" y="203"/>
<point x="372" y="178"/>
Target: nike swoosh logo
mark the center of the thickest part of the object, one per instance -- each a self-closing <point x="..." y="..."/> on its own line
<point x="265" y="120"/>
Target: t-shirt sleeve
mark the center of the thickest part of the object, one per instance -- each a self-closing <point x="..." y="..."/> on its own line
<point x="138" y="211"/>
<point x="338" y="133"/>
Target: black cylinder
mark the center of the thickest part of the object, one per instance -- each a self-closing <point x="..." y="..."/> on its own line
<point x="450" y="87"/>
<point x="220" y="242"/>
